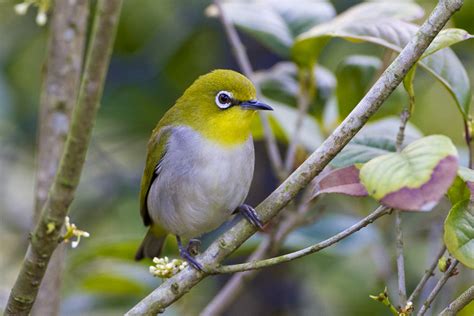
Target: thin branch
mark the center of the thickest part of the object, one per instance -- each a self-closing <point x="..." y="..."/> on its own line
<point x="306" y="94"/>
<point x="380" y="211"/>
<point x="469" y="142"/>
<point x="175" y="287"/>
<point x="402" y="291"/>
<point x="428" y="274"/>
<point x="449" y="273"/>
<point x="244" y="63"/>
<point x="46" y="235"/>
<point x="459" y="303"/>
<point x="232" y="289"/>
<point x="59" y="94"/>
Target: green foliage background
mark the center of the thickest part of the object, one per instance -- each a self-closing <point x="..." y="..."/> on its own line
<point x="162" y="46"/>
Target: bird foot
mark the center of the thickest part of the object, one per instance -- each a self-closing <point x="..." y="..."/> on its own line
<point x="186" y="255"/>
<point x="251" y="215"/>
<point x="193" y="246"/>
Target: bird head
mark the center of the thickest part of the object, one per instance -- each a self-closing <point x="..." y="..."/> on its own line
<point x="220" y="105"/>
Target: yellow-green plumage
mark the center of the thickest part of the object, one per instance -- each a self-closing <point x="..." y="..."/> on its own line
<point x="221" y="130"/>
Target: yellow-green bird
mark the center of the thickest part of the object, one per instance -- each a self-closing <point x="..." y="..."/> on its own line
<point x="200" y="162"/>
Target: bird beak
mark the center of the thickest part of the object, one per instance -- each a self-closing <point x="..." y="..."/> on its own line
<point x="255" y="105"/>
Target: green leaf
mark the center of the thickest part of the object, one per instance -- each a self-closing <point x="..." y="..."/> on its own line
<point x="463" y="186"/>
<point x="459" y="232"/>
<point x="354" y="75"/>
<point x="276" y="23"/>
<point x="446" y="38"/>
<point x="112" y="284"/>
<point x="280" y="83"/>
<point x="378" y="23"/>
<point x="414" y="179"/>
<point x="365" y="146"/>
<point x="285" y="118"/>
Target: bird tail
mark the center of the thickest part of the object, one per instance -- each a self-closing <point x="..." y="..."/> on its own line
<point x="151" y="245"/>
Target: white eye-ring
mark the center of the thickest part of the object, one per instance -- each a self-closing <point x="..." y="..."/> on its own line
<point x="224" y="99"/>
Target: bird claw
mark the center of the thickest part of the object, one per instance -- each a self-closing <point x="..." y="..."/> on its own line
<point x="186" y="255"/>
<point x="251" y="215"/>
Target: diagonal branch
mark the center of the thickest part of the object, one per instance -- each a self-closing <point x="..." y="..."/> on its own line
<point x="46" y="235"/>
<point x="175" y="287"/>
<point x="459" y="303"/>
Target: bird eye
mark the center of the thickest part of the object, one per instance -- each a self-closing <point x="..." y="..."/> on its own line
<point x="224" y="99"/>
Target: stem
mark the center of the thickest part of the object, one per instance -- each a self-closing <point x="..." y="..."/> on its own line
<point x="380" y="211"/>
<point x="469" y="143"/>
<point x="449" y="273"/>
<point x="306" y="94"/>
<point x="428" y="274"/>
<point x="43" y="240"/>
<point x="459" y="303"/>
<point x="402" y="291"/>
<point x="175" y="287"/>
<point x="244" y="63"/>
<point x="59" y="94"/>
<point x="271" y="244"/>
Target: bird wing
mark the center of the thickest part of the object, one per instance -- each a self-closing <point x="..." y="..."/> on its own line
<point x="155" y="153"/>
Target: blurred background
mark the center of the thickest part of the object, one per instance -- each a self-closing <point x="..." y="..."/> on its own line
<point x="161" y="47"/>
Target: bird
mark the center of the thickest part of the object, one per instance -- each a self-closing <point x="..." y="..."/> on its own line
<point x="200" y="163"/>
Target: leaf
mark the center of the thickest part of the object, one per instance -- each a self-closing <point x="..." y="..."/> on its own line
<point x="276" y="23"/>
<point x="463" y="186"/>
<point x="285" y="118"/>
<point x="354" y="75"/>
<point x="345" y="181"/>
<point x="280" y="83"/>
<point x="459" y="232"/>
<point x="414" y="179"/>
<point x="446" y="38"/>
<point x="378" y="23"/>
<point x="365" y="146"/>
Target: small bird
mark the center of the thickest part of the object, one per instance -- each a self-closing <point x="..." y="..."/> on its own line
<point x="200" y="163"/>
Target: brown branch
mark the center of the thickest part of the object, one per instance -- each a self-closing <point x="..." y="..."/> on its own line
<point x="44" y="239"/>
<point x="459" y="303"/>
<point x="175" y="287"/>
<point x="59" y="93"/>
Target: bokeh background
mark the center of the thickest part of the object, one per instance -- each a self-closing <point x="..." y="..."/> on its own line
<point x="161" y="47"/>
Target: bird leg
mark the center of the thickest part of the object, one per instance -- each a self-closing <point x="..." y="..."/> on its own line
<point x="250" y="214"/>
<point x="186" y="255"/>
<point x="193" y="246"/>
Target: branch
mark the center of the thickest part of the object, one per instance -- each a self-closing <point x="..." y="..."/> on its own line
<point x="46" y="235"/>
<point x="380" y="211"/>
<point x="449" y="273"/>
<point x="402" y="290"/>
<point x="59" y="94"/>
<point x="428" y="274"/>
<point x="459" y="303"/>
<point x="244" y="64"/>
<point x="175" y="287"/>
<point x="231" y="290"/>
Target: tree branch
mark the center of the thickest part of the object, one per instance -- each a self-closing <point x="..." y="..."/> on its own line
<point x="175" y="287"/>
<point x="46" y="235"/>
<point x="459" y="303"/>
<point x="380" y="211"/>
<point x="449" y="273"/>
<point x="428" y="274"/>
<point x="244" y="64"/>
<point x="59" y="94"/>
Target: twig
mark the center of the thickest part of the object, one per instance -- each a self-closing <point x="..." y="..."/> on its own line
<point x="459" y="303"/>
<point x="175" y="287"/>
<point x="59" y="94"/>
<point x="380" y="211"/>
<point x="402" y="291"/>
<point x="306" y="94"/>
<point x="428" y="274"/>
<point x="228" y="294"/>
<point x="469" y="142"/>
<point x="449" y="273"/>
<point x="244" y="63"/>
<point x="46" y="235"/>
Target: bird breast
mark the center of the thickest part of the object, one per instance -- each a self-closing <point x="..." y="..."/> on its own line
<point x="199" y="183"/>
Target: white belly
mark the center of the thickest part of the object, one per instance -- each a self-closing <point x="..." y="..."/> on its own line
<point x="200" y="183"/>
